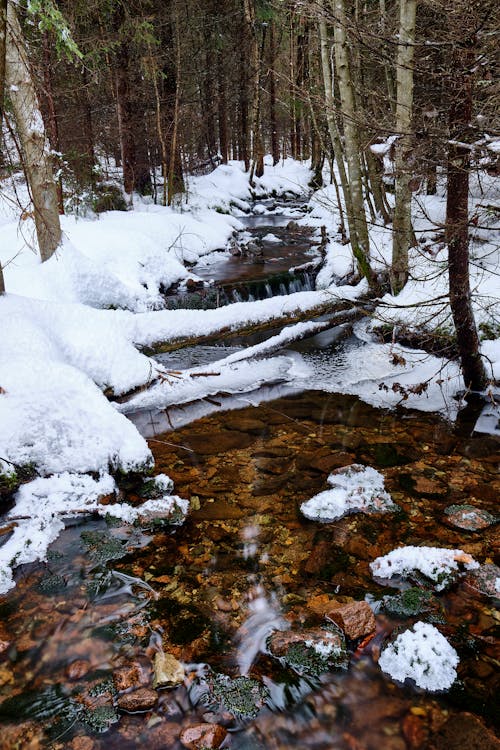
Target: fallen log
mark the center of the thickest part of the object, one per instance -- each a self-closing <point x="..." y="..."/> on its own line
<point x="334" y="309"/>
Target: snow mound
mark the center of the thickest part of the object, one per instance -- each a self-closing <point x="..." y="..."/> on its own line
<point x="423" y="655"/>
<point x="437" y="564"/>
<point x="355" y="489"/>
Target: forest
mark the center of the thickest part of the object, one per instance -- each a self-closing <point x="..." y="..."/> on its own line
<point x="249" y="303"/>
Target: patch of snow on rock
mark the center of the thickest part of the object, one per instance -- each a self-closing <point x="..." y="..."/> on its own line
<point x="423" y="655"/>
<point x="354" y="489"/>
<point x="435" y="563"/>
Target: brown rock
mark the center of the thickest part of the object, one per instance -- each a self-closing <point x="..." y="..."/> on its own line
<point x="142" y="699"/>
<point x="220" y="442"/>
<point x="77" y="669"/>
<point x="246" y="424"/>
<point x="127" y="677"/>
<point x="430" y="487"/>
<point x="356" y="618"/>
<point x="209" y="736"/>
<point x="464" y="732"/>
<point x="414" y="730"/>
<point x="281" y="640"/>
<point x="161" y="736"/>
<point x="321" y="555"/>
<point x="82" y="743"/>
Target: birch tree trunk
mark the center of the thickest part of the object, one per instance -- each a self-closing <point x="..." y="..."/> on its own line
<point x="32" y="138"/>
<point x="402" y="232"/>
<point x="360" y="243"/>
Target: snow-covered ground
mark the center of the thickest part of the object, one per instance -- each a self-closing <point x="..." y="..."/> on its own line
<point x="72" y="328"/>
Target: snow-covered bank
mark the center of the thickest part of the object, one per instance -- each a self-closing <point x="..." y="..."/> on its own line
<point x="422" y="306"/>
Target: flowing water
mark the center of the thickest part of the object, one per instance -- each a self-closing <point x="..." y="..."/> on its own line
<point x="80" y="633"/>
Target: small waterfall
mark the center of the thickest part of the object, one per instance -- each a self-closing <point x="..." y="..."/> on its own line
<point x="237" y="296"/>
<point x="268" y="290"/>
<point x="283" y="289"/>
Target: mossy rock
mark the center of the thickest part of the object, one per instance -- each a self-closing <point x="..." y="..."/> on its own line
<point x="52" y="584"/>
<point x="410" y="603"/>
<point x="309" y="653"/>
<point x="101" y="547"/>
<point x="243" y="697"/>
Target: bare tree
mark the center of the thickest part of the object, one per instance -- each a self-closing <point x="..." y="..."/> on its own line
<point x="402" y="232"/>
<point x="31" y="133"/>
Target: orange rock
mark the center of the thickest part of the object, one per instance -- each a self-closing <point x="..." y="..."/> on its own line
<point x="209" y="736"/>
<point x="78" y="669"/>
<point x="355" y="619"/>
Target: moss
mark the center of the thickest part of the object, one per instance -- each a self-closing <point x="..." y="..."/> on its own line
<point x="243" y="696"/>
<point x="52" y="584"/>
<point x="101" y="547"/>
<point x="101" y="718"/>
<point x="410" y="603"/>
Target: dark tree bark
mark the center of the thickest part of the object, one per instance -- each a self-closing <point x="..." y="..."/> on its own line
<point x="275" y="144"/>
<point x="124" y="112"/>
<point x="457" y="216"/>
<point x="222" y="108"/>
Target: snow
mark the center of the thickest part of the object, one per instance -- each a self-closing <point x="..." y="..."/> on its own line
<point x="421" y="654"/>
<point x="353" y="489"/>
<point x="435" y="563"/>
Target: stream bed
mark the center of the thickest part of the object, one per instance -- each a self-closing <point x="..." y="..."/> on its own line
<point x="246" y="562"/>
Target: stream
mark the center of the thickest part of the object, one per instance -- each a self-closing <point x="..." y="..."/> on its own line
<point x="82" y="635"/>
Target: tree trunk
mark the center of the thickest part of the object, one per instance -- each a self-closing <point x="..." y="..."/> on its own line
<point x="360" y="243"/>
<point x="275" y="143"/>
<point x="457" y="216"/>
<point x="222" y="108"/>
<point x="175" y="176"/>
<point x="402" y="231"/>
<point x="257" y="167"/>
<point x="333" y="129"/>
<point x="52" y="128"/>
<point x="34" y="145"/>
<point x="124" y="113"/>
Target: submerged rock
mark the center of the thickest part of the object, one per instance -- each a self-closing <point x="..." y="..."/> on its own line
<point x="309" y="652"/>
<point x="142" y="699"/>
<point x="468" y="517"/>
<point x="168" y="671"/>
<point x="243" y="697"/>
<point x="486" y="580"/>
<point x="203" y="736"/>
<point x="465" y="732"/>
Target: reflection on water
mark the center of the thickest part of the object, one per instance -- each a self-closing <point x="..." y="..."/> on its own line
<point x="79" y="634"/>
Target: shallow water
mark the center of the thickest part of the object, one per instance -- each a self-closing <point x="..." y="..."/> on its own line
<point x="244" y="562"/>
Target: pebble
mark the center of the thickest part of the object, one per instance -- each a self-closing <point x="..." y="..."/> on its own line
<point x="142" y="699"/>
